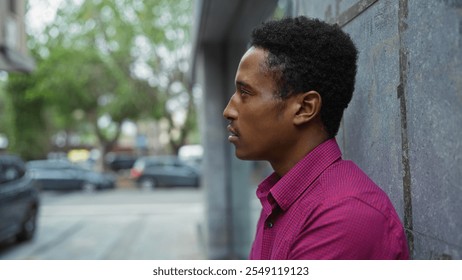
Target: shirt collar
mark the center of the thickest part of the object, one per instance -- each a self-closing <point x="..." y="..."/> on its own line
<point x="286" y="190"/>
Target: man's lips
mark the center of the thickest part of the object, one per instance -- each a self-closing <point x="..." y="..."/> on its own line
<point x="233" y="134"/>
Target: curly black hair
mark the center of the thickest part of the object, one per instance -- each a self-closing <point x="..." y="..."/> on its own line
<point x="308" y="54"/>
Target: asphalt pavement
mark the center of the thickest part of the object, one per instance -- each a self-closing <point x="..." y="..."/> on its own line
<point x="122" y="224"/>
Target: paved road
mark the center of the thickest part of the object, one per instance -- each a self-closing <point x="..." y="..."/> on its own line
<point x="122" y="224"/>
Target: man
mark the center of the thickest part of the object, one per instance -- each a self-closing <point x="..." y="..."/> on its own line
<point x="292" y="86"/>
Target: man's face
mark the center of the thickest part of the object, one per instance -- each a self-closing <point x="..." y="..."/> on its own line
<point x="260" y="127"/>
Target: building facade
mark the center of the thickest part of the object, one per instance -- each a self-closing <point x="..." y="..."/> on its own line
<point x="13" y="49"/>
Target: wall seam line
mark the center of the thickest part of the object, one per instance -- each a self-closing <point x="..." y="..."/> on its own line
<point x="401" y="95"/>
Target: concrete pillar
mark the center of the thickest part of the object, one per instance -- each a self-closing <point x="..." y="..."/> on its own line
<point x="225" y="179"/>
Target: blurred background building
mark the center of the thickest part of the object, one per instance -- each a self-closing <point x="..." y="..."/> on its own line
<point x="13" y="49"/>
<point x="402" y="126"/>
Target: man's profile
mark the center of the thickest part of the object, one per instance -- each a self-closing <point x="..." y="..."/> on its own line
<point x="292" y="86"/>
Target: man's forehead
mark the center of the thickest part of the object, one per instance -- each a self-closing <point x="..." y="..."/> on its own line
<point x="254" y="60"/>
<point x="255" y="51"/>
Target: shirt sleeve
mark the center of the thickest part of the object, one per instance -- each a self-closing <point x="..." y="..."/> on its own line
<point x="347" y="229"/>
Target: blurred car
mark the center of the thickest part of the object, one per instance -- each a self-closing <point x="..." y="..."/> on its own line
<point x="153" y="171"/>
<point x="19" y="200"/>
<point x="64" y="175"/>
<point x="117" y="162"/>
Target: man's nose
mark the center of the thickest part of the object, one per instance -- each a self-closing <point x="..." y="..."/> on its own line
<point x="230" y="112"/>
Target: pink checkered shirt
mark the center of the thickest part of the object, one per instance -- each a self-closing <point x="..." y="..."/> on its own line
<point x="326" y="208"/>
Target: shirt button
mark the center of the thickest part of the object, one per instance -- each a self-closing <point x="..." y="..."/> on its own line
<point x="269" y="224"/>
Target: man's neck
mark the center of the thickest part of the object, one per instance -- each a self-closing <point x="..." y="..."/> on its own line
<point x="299" y="151"/>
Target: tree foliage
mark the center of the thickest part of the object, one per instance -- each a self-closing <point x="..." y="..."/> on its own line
<point x="119" y="59"/>
<point x="26" y="128"/>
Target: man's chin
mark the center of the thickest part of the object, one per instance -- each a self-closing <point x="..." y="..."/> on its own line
<point x="244" y="156"/>
<point x="240" y="155"/>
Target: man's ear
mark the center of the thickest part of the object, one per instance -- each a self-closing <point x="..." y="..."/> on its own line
<point x="309" y="106"/>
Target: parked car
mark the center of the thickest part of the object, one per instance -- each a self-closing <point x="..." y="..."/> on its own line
<point x="120" y="161"/>
<point x="154" y="171"/>
<point x="19" y="200"/>
<point x="64" y="175"/>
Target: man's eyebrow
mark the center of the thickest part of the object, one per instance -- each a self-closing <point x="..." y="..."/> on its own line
<point x="243" y="84"/>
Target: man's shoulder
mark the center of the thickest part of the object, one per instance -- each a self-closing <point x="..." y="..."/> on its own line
<point x="346" y="176"/>
<point x="345" y="181"/>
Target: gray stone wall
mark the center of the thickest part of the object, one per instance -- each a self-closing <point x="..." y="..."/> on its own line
<point x="404" y="124"/>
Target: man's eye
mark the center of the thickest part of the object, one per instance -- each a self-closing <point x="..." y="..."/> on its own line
<point x="244" y="92"/>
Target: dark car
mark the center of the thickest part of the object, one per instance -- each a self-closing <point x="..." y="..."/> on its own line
<point x="120" y="161"/>
<point x="153" y="171"/>
<point x="65" y="175"/>
<point x="19" y="200"/>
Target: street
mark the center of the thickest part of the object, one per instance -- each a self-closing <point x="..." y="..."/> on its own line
<point x="121" y="224"/>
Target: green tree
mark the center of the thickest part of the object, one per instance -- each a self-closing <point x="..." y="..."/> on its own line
<point x="147" y="40"/>
<point x="26" y="127"/>
<point x="75" y="83"/>
<point x="124" y="60"/>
